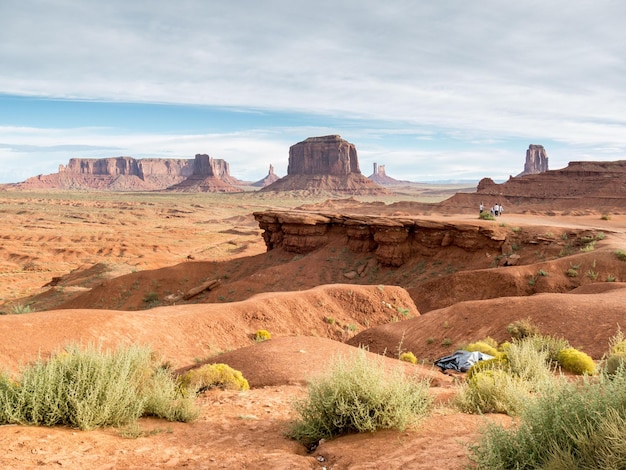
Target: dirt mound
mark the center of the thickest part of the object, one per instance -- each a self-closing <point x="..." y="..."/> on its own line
<point x="586" y="320"/>
<point x="183" y="334"/>
<point x="295" y="360"/>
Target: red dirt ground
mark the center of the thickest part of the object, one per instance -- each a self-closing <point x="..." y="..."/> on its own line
<point x="125" y="250"/>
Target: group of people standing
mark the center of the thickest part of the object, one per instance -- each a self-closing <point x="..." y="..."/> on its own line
<point x="496" y="209"/>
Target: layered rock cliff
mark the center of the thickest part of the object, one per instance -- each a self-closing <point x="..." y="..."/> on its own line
<point x="393" y="239"/>
<point x="327" y="163"/>
<point x="209" y="175"/>
<point x="130" y="174"/>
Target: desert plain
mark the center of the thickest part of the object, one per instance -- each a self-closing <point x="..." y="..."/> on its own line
<point x="114" y="268"/>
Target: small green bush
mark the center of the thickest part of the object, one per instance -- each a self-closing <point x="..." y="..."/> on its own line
<point x="486" y="216"/>
<point x="492" y="391"/>
<point x="262" y="335"/>
<point x="213" y="376"/>
<point x="615" y="363"/>
<point x="482" y="347"/>
<point x="358" y="395"/>
<point x="550" y="345"/>
<point x="571" y="272"/>
<point x="408" y="357"/>
<point x="19" y="309"/>
<point x="499" y="363"/>
<point x="576" y="362"/>
<point x="621" y="255"/>
<point x="522" y="328"/>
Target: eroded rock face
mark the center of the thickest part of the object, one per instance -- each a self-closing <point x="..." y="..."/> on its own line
<point x="130" y="174"/>
<point x="536" y="160"/>
<point x="209" y="175"/>
<point x="327" y="163"/>
<point x="394" y="240"/>
<point x="328" y="155"/>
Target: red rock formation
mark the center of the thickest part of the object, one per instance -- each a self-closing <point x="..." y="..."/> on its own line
<point x="380" y="177"/>
<point x="119" y="174"/>
<point x="536" y="160"/>
<point x="209" y="175"/>
<point x="269" y="179"/>
<point x="326" y="163"/>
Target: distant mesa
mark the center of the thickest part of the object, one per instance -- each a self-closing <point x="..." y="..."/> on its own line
<point x="327" y="163"/>
<point x="380" y="177"/>
<point x="536" y="160"/>
<point x="130" y="174"/>
<point x="210" y="175"/>
<point x="269" y="179"/>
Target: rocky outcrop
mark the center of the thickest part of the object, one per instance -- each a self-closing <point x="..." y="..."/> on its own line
<point x="380" y="177"/>
<point x="209" y="175"/>
<point x="577" y="180"/>
<point x="326" y="163"/>
<point x="536" y="160"/>
<point x="269" y="179"/>
<point x="118" y="174"/>
<point x="393" y="239"/>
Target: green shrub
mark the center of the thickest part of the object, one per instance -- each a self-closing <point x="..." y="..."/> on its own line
<point x="213" y="376"/>
<point x="92" y="388"/>
<point x="482" y="347"/>
<point x="569" y="426"/>
<point x="18" y="309"/>
<point x="571" y="272"/>
<point x="492" y="391"/>
<point x="499" y="362"/>
<point x="522" y="328"/>
<point x="408" y="357"/>
<point x="621" y="255"/>
<point x="358" y="395"/>
<point x="486" y="216"/>
<point x="576" y="362"/>
<point x="615" y="363"/>
<point x="550" y="345"/>
<point x="262" y="335"/>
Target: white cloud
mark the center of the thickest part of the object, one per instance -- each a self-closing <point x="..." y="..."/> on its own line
<point x="485" y="70"/>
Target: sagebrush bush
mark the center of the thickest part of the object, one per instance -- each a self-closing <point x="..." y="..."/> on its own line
<point x="91" y="388"/>
<point x="615" y="363"/>
<point x="262" y="335"/>
<point x="483" y="347"/>
<point x="522" y="328"/>
<point x="576" y="362"/>
<point x="569" y="426"/>
<point x="213" y="376"/>
<point x="408" y="357"/>
<point x="549" y="344"/>
<point x="505" y="383"/>
<point x="492" y="391"/>
<point x="358" y="395"/>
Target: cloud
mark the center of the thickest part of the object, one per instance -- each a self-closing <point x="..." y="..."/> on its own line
<point x="439" y="72"/>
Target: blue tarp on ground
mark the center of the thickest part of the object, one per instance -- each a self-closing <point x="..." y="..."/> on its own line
<point x="461" y="360"/>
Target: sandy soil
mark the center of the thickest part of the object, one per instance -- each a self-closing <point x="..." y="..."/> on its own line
<point x="60" y="249"/>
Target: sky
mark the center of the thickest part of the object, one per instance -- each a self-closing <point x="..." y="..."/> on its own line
<point x="449" y="90"/>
